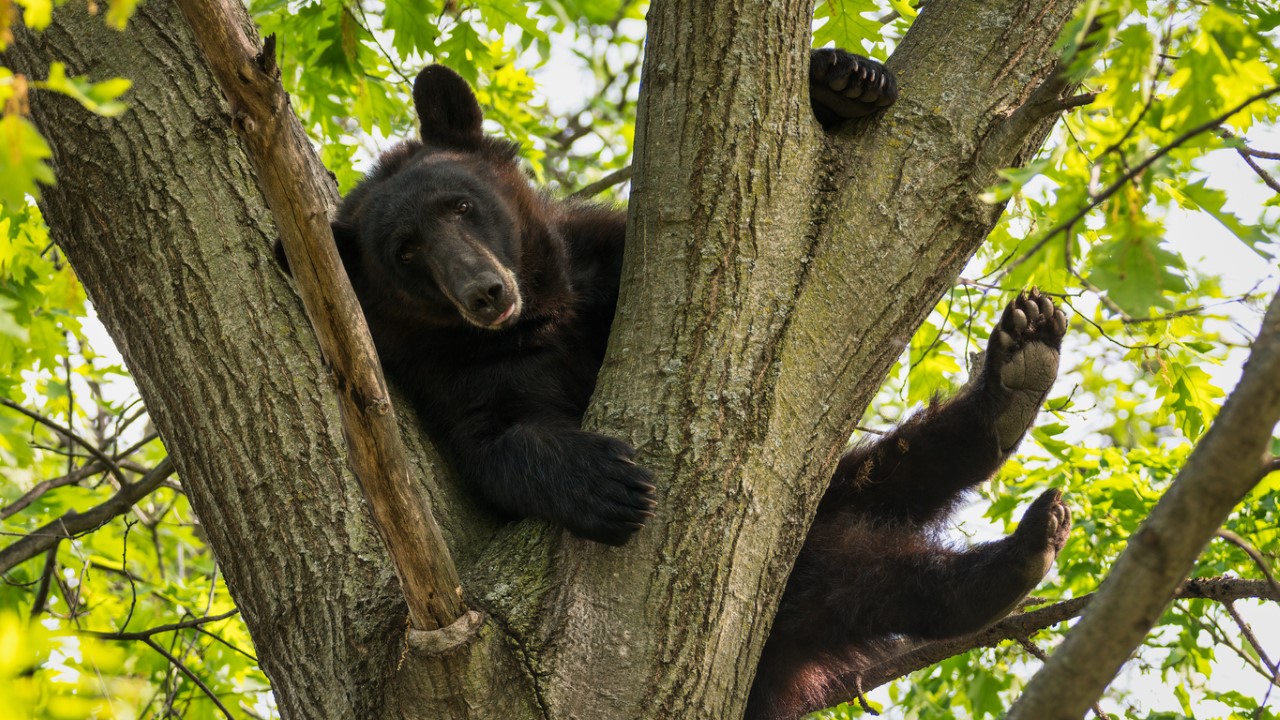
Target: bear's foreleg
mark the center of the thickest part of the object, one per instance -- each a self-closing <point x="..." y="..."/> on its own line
<point x="584" y="481"/>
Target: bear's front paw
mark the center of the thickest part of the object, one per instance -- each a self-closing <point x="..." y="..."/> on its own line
<point x="1022" y="362"/>
<point x="843" y="86"/>
<point x="1042" y="532"/>
<point x="617" y="496"/>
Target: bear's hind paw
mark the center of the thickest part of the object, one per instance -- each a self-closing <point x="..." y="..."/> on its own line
<point x="1022" y="361"/>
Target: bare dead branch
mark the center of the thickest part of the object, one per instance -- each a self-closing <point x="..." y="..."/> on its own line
<point x="289" y="175"/>
<point x="1220" y="471"/>
<point x="75" y="523"/>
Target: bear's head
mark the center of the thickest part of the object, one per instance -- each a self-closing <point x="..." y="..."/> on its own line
<point x="442" y="232"/>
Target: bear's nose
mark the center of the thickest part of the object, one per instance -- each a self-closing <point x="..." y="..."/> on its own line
<point x="486" y="293"/>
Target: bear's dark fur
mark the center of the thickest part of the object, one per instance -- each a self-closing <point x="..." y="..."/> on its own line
<point x="874" y="568"/>
<point x="491" y="304"/>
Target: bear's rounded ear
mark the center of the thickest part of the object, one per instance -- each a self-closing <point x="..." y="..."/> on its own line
<point x="447" y="109"/>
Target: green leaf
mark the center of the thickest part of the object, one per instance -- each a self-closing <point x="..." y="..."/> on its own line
<point x="411" y="25"/>
<point x="9" y="324"/>
<point x="1137" y="273"/>
<point x="36" y="14"/>
<point x="98" y="97"/>
<point x="845" y="25"/>
<point x="1190" y="394"/>
<point x="22" y="154"/>
<point x="1197" y="196"/>
<point x="119" y="12"/>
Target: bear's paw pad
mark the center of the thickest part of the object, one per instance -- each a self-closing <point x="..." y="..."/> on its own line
<point x="1023" y="355"/>
<point x="1043" y="532"/>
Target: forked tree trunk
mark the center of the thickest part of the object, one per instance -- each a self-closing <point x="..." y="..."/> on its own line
<point x="773" y="274"/>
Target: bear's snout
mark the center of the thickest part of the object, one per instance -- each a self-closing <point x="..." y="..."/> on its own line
<point x="487" y="298"/>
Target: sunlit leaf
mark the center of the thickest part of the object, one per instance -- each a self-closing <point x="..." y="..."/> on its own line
<point x="23" y="152"/>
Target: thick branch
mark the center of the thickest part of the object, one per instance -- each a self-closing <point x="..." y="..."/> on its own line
<point x="1226" y="464"/>
<point x="283" y="160"/>
<point x="74" y="523"/>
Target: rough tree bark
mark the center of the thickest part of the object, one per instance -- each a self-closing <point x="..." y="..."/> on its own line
<point x="772" y="277"/>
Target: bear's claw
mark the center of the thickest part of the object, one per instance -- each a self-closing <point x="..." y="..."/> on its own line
<point x="843" y="86"/>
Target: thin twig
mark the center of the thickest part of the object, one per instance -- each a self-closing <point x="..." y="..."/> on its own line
<point x="186" y="671"/>
<point x="617" y="177"/>
<point x="1248" y="154"/>
<point x="1253" y="554"/>
<point x="46" y="579"/>
<point x="1246" y="630"/>
<point x="124" y="563"/>
<point x="1136" y="171"/>
<point x="45" y="486"/>
<point x="219" y="638"/>
<point x="71" y="478"/>
<point x="144" y="634"/>
<point x="69" y="433"/>
<point x="1266" y="177"/>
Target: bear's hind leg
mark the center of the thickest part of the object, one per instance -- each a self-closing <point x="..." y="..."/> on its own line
<point x="916" y="471"/>
<point x="945" y="596"/>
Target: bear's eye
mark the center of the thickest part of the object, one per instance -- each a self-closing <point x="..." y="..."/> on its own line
<point x="405" y="255"/>
<point x="462" y="207"/>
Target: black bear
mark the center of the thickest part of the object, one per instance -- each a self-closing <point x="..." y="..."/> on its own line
<point x="491" y="304"/>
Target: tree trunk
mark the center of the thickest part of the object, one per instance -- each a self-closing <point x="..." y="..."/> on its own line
<point x="163" y="221"/>
<point x="772" y="277"/>
<point x="773" y="274"/>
